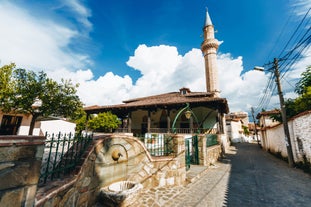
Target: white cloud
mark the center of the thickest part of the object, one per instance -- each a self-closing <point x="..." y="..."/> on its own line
<point x="164" y="70"/>
<point x="39" y="44"/>
<point x="301" y="7"/>
<point x="44" y="44"/>
<point x="82" y="13"/>
<point x="106" y="90"/>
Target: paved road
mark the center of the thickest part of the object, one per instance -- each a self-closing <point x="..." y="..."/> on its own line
<point x="248" y="177"/>
<point x="259" y="179"/>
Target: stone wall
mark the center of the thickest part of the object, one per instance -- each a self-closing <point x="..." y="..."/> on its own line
<point x="135" y="163"/>
<point x="20" y="162"/>
<point x="78" y="190"/>
<point x="300" y="133"/>
<point x="111" y="159"/>
<point x="208" y="155"/>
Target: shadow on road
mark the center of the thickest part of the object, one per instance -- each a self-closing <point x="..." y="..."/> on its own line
<point x="257" y="178"/>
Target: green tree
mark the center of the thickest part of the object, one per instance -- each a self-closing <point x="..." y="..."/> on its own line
<point x="80" y="119"/>
<point x="305" y="82"/>
<point x="245" y="129"/>
<point x="104" y="122"/>
<point x="52" y="98"/>
<point x="303" y="101"/>
<point x="6" y="86"/>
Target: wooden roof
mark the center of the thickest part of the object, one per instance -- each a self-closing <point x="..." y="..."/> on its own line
<point x="173" y="100"/>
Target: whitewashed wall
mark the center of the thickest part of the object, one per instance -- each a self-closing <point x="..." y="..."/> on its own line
<point x="56" y="126"/>
<point x="50" y="127"/>
<point x="301" y="126"/>
<point x="275" y="140"/>
<point x="233" y="131"/>
<point x="299" y="129"/>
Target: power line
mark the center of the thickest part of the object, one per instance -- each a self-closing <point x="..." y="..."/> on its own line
<point x="289" y="59"/>
<point x="281" y="33"/>
<point x="295" y="32"/>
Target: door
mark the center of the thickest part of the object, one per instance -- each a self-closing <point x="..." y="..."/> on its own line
<point x="191" y="151"/>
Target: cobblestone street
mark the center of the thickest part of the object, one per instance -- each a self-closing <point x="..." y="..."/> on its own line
<point x="248" y="176"/>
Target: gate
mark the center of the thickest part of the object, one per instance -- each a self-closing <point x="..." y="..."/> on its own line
<point x="191" y="151"/>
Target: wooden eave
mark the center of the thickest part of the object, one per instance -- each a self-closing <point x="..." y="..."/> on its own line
<point x="172" y="100"/>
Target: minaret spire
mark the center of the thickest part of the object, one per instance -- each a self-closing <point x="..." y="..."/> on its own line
<point x="209" y="48"/>
<point x="208" y="20"/>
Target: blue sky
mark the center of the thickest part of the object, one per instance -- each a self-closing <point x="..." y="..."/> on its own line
<point x="123" y="49"/>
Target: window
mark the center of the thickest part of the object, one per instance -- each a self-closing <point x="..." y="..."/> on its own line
<point x="10" y="124"/>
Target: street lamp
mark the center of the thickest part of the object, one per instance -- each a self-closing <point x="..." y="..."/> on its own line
<point x="178" y="114"/>
<point x="259" y="68"/>
<point x="187" y="113"/>
<point x="283" y="110"/>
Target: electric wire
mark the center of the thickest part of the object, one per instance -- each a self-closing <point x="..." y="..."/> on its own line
<point x="288" y="60"/>
<point x="281" y="33"/>
<point x="292" y="36"/>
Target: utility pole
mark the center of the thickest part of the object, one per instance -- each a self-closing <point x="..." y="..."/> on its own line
<point x="283" y="113"/>
<point x="255" y="128"/>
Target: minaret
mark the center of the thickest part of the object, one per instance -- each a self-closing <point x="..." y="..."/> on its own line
<point x="209" y="48"/>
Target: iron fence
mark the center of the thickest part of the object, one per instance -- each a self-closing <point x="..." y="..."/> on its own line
<point x="62" y="154"/>
<point x="211" y="140"/>
<point x="158" y="144"/>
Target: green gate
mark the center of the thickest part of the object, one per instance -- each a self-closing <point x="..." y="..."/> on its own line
<point x="191" y="151"/>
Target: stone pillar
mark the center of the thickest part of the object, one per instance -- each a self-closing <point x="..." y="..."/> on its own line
<point x="179" y="148"/>
<point x="21" y="158"/>
<point x="202" y="149"/>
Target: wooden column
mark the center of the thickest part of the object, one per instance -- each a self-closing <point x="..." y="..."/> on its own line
<point x="168" y="121"/>
<point x="149" y="122"/>
<point x="129" y="123"/>
<point x="191" y="125"/>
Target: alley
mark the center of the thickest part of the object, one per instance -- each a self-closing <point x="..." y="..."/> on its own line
<point x="259" y="179"/>
<point x="247" y="177"/>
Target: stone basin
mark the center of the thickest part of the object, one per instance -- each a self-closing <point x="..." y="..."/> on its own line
<point x="122" y="193"/>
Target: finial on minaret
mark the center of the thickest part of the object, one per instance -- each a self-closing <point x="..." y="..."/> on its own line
<point x="208" y="20"/>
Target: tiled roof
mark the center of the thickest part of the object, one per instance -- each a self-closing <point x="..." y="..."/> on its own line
<point x="268" y="113"/>
<point x="167" y="100"/>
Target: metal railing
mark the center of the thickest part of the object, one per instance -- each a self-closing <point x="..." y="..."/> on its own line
<point x="62" y="154"/>
<point x="211" y="140"/>
<point x="158" y="144"/>
<point x="121" y="130"/>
